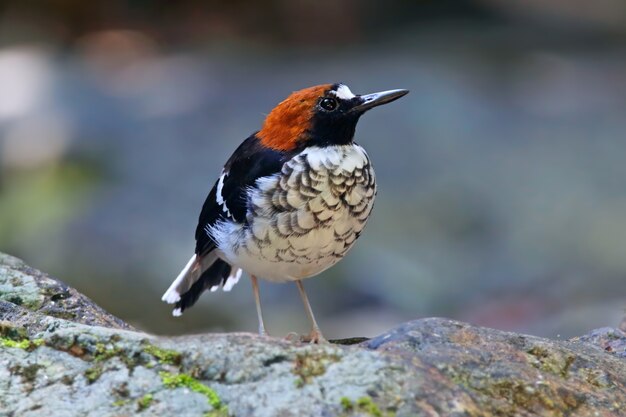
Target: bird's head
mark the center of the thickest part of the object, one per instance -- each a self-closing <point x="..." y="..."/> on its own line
<point x="322" y="115"/>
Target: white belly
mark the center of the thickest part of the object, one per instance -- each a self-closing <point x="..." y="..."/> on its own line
<point x="305" y="219"/>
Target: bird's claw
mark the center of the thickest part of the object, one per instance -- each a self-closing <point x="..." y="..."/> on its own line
<point x="293" y="337"/>
<point x="315" y="337"/>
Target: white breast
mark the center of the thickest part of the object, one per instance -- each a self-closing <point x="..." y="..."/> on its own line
<point x="304" y="219"/>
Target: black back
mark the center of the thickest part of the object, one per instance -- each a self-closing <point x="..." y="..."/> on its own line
<point x="249" y="162"/>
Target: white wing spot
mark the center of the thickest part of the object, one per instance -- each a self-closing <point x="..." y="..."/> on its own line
<point x="218" y="195"/>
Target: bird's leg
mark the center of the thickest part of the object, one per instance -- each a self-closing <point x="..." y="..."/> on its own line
<point x="257" y="299"/>
<point x="316" y="334"/>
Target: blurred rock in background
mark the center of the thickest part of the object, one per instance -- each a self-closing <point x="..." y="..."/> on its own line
<point x="502" y="196"/>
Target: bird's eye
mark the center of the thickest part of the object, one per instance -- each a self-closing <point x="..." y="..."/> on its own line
<point x="328" y="104"/>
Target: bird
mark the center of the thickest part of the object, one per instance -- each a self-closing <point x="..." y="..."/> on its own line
<point x="289" y="203"/>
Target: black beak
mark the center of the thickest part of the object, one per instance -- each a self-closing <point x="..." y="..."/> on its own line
<point x="367" y="101"/>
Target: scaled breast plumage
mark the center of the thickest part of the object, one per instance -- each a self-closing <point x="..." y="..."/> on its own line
<point x="303" y="219"/>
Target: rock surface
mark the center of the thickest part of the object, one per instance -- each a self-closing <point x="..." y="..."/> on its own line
<point x="60" y="355"/>
<point x="21" y="285"/>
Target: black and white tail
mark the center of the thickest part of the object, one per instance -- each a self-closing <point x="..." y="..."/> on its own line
<point x="200" y="274"/>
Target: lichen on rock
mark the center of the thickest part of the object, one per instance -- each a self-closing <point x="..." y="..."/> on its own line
<point x="94" y="364"/>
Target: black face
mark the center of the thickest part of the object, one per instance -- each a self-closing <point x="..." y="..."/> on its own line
<point x="334" y="121"/>
<point x="338" y="111"/>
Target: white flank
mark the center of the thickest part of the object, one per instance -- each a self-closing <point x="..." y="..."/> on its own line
<point x="344" y="93"/>
<point x="232" y="279"/>
<point x="267" y="183"/>
<point x="172" y="295"/>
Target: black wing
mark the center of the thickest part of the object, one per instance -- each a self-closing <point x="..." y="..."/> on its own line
<point x="249" y="162"/>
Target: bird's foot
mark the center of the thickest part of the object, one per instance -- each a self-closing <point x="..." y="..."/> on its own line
<point x="263" y="332"/>
<point x="315" y="337"/>
<point x="293" y="337"/>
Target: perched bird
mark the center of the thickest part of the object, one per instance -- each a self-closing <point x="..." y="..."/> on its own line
<point x="289" y="203"/>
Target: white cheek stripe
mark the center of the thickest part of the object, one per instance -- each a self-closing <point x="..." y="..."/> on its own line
<point x="344" y="93"/>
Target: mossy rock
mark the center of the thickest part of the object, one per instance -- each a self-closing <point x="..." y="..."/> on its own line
<point x="87" y="362"/>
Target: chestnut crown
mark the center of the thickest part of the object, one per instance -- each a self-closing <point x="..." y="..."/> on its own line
<point x="322" y="115"/>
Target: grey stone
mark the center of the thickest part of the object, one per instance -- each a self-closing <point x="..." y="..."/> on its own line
<point x="27" y="287"/>
<point x="91" y="363"/>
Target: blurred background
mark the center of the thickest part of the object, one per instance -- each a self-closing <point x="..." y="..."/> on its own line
<point x="502" y="181"/>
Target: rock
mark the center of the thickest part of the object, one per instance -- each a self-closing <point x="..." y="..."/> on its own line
<point x="609" y="339"/>
<point x="21" y="285"/>
<point x="90" y="363"/>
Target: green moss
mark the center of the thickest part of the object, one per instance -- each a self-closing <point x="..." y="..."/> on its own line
<point x="367" y="405"/>
<point x="183" y="380"/>
<point x="164" y="356"/>
<point x="104" y="352"/>
<point x="25" y="344"/>
<point x="518" y="394"/>
<point x="555" y="362"/>
<point x="93" y="374"/>
<point x="309" y="365"/>
<point x="22" y="344"/>
<point x="346" y="404"/>
<point x="364" y="405"/>
<point x="101" y="353"/>
<point x="109" y="351"/>
<point x="145" y="402"/>
<point x="120" y="403"/>
<point x="514" y="394"/>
